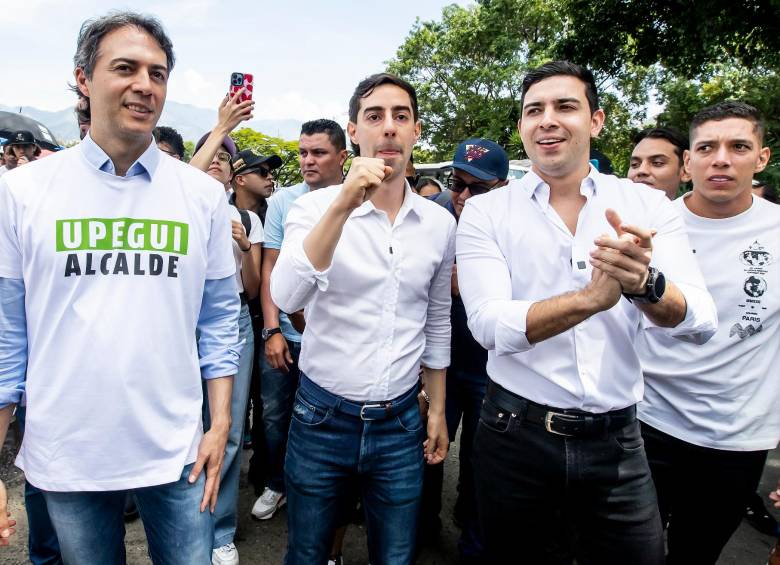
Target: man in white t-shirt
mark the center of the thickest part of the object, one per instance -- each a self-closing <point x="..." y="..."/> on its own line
<point x="112" y="256"/>
<point x="709" y="413"/>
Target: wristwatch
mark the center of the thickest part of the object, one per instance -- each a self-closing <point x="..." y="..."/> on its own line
<point x="654" y="288"/>
<point x="266" y="333"/>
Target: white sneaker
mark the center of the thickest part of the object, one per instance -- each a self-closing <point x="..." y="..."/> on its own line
<point x="268" y="503"/>
<point x="225" y="555"/>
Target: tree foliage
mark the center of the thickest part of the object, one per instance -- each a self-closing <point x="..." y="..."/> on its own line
<point x="289" y="173"/>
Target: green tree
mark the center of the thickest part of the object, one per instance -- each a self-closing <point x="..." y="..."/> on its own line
<point x="289" y="173"/>
<point x="468" y="67"/>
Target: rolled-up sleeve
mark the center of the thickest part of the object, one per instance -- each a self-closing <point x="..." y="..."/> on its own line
<point x="294" y="280"/>
<point x="438" y="327"/>
<point x="672" y="255"/>
<point x="218" y="346"/>
<point x="13" y="341"/>
<point x="496" y="320"/>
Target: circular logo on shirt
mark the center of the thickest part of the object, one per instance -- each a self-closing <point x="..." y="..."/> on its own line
<point x="754" y="286"/>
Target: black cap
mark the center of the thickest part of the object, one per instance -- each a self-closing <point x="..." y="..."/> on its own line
<point x="247" y="161"/>
<point x="21" y="137"/>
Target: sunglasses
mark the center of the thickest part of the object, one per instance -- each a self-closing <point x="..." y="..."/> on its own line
<point x="263" y="172"/>
<point x="457" y="185"/>
<point x="224" y="157"/>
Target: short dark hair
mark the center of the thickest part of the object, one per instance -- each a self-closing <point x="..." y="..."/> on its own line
<point x="672" y="135"/>
<point x="558" y="68"/>
<point x="330" y="128"/>
<point x="729" y="109"/>
<point x="165" y="134"/>
<point x="82" y="111"/>
<point x="367" y="86"/>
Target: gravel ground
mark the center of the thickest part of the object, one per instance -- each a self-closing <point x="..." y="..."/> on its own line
<point x="264" y="542"/>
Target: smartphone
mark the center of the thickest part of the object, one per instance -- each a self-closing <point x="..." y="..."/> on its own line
<point x="239" y="81"/>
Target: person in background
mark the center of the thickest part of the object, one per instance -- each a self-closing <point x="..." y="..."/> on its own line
<point x="247" y="231"/>
<point x="479" y="166"/>
<point x="169" y="141"/>
<point x="9" y="159"/>
<point x="657" y="160"/>
<point x="24" y="147"/>
<point x="428" y="187"/>
<point x="764" y="190"/>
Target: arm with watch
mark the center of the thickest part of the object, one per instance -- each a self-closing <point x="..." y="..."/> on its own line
<point x="275" y="345"/>
<point x="621" y="266"/>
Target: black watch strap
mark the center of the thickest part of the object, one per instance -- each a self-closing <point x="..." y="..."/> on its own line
<point x="266" y="333"/>
<point x="654" y="288"/>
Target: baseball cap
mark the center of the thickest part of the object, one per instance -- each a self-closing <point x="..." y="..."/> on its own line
<point x="227" y="142"/>
<point x="21" y="137"/>
<point x="246" y="161"/>
<point x="482" y="158"/>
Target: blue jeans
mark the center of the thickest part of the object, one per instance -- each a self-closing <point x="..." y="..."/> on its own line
<point x="91" y="529"/>
<point x="41" y="540"/>
<point x="226" y="513"/>
<point x="328" y="451"/>
<point x="277" y="390"/>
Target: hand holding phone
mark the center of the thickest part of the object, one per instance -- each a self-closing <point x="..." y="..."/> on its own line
<point x="239" y="81"/>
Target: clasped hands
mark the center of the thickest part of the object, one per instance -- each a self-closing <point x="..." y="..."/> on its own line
<point x="620" y="264"/>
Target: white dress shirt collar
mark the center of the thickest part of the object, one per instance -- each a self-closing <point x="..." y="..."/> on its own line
<point x="537" y="189"/>
<point x="409" y="204"/>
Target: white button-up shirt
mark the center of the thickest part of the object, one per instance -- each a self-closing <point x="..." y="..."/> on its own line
<point x="382" y="307"/>
<point x="514" y="250"/>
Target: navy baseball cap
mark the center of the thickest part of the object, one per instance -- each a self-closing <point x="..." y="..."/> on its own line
<point x="482" y="158"/>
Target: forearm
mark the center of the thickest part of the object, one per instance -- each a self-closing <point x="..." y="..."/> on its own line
<point x="202" y="159"/>
<point x="669" y="311"/>
<point x="250" y="271"/>
<point x="270" y="310"/>
<point x="5" y="420"/>
<point x="435" y="387"/>
<point x="220" y="391"/>
<point x="556" y="315"/>
<point x="320" y="244"/>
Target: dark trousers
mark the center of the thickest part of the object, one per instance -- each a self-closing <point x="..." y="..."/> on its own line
<point x="546" y="498"/>
<point x="465" y="391"/>
<point x="702" y="493"/>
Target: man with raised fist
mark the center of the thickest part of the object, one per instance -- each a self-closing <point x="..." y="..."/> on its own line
<point x="377" y="307"/>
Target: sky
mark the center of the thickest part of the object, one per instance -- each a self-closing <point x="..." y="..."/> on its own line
<point x="307" y="56"/>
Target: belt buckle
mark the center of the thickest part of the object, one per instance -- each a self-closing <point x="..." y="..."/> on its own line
<point x="548" y="424"/>
<point x="374" y="405"/>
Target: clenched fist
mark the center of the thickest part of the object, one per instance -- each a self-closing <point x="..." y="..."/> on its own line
<point x="364" y="177"/>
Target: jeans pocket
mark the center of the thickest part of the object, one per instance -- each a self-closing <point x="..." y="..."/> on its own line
<point x="494" y="418"/>
<point x="629" y="438"/>
<point x="307" y="413"/>
<point x="410" y="419"/>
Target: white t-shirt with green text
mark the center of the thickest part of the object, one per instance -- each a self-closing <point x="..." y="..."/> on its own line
<point x="114" y="271"/>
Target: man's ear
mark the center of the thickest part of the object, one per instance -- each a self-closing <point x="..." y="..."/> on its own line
<point x="82" y="82"/>
<point x="763" y="159"/>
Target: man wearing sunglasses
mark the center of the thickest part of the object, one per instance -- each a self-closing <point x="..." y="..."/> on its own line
<point x="253" y="181"/>
<point x="479" y="166"/>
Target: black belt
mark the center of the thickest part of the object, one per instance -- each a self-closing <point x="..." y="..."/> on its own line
<point x="362" y="410"/>
<point x="559" y="421"/>
<point x="244" y="299"/>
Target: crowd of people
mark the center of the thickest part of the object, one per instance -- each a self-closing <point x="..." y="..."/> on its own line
<point x="607" y="346"/>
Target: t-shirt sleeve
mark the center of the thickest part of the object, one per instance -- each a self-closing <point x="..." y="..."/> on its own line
<point x="10" y="247"/>
<point x="257" y="234"/>
<point x="220" y="251"/>
<point x="274" y="223"/>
